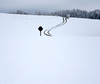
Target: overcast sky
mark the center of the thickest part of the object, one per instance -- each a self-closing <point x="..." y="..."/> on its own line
<point x="49" y="5"/>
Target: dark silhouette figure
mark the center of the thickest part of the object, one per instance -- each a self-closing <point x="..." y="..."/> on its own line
<point x="40" y="29"/>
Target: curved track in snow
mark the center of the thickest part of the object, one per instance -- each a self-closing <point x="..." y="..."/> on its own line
<point x="47" y="31"/>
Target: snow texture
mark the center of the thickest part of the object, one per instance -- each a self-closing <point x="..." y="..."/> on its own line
<point x="70" y="56"/>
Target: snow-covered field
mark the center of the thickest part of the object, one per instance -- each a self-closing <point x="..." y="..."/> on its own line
<point x="70" y="56"/>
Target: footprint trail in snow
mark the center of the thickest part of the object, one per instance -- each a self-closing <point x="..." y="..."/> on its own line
<point x="47" y="31"/>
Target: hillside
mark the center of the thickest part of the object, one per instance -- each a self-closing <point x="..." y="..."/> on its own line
<point x="70" y="56"/>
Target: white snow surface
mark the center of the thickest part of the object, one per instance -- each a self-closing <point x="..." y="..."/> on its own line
<point x="70" y="56"/>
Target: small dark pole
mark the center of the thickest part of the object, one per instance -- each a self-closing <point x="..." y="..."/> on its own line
<point x="40" y="29"/>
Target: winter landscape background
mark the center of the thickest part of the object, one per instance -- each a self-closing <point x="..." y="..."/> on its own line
<point x="70" y="56"/>
<point x="67" y="52"/>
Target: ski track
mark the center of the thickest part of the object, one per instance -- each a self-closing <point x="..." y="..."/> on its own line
<point x="47" y="31"/>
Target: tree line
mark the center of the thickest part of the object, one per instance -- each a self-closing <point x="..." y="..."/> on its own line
<point x="79" y="13"/>
<point x="73" y="13"/>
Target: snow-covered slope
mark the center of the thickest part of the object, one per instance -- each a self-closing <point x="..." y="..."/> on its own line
<point x="70" y="56"/>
